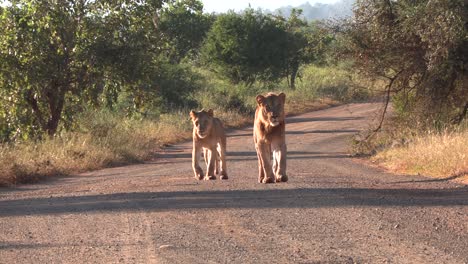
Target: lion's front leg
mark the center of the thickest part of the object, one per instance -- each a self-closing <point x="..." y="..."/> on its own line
<point x="210" y="170"/>
<point x="217" y="167"/>
<point x="261" y="172"/>
<point x="197" y="170"/>
<point x="205" y="156"/>
<point x="222" y="160"/>
<point x="264" y="154"/>
<point x="279" y="156"/>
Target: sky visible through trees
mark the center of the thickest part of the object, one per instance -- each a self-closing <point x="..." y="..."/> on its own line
<point x="223" y="6"/>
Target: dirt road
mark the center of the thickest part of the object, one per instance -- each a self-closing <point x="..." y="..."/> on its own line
<point x="332" y="210"/>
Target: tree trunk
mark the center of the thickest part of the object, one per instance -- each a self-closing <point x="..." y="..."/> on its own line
<point x="55" y="101"/>
<point x="293" y="76"/>
<point x="53" y="122"/>
<point x="461" y="116"/>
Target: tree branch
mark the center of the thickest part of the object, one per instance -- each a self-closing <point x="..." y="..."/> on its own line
<point x="387" y="102"/>
<point x="35" y="107"/>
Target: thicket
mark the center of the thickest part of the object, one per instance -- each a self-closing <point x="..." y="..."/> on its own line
<point x="419" y="49"/>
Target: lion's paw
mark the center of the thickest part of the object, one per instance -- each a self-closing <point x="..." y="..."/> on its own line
<point x="268" y="180"/>
<point x="282" y="178"/>
<point x="209" y="177"/>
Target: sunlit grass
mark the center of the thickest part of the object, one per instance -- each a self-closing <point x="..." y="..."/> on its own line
<point x="438" y="155"/>
<point x="103" y="141"/>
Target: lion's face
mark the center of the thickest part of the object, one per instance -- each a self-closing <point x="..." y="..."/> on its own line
<point x="202" y="122"/>
<point x="272" y="108"/>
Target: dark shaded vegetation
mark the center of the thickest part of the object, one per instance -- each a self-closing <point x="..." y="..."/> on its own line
<point x="419" y="49"/>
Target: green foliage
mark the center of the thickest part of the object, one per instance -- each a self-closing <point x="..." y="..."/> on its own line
<point x="246" y="47"/>
<point x="40" y="58"/>
<point x="254" y="46"/>
<point x="333" y="82"/>
<point x="297" y="48"/>
<point x="57" y="57"/>
<point x="219" y="94"/>
<point x="420" y="48"/>
<point x="183" y="26"/>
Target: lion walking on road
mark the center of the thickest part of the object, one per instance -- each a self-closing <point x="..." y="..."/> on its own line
<point x="269" y="137"/>
<point x="208" y="137"/>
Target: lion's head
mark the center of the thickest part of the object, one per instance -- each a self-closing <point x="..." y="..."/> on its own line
<point x="272" y="108"/>
<point x="202" y="122"/>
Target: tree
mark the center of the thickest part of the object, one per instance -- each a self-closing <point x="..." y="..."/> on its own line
<point x="296" y="45"/>
<point x="419" y="47"/>
<point x="183" y="27"/>
<point x="42" y="61"/>
<point x="246" y="47"/>
<point x="254" y="46"/>
<point x="56" y="57"/>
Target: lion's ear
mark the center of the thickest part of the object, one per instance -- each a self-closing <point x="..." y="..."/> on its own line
<point x="260" y="99"/>
<point x="210" y="112"/>
<point x="193" y="114"/>
<point x="282" y="96"/>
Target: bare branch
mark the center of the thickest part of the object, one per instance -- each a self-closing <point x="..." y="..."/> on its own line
<point x="387" y="102"/>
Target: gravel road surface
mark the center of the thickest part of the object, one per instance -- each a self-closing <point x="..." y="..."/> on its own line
<point x="333" y="209"/>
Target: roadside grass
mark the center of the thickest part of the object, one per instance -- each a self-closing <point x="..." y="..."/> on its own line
<point x="104" y="138"/>
<point x="439" y="155"/>
<point x="406" y="146"/>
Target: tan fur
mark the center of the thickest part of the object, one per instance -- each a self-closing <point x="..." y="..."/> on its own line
<point x="269" y="136"/>
<point x="208" y="137"/>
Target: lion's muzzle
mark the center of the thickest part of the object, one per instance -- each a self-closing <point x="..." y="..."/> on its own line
<point x="202" y="134"/>
<point x="274" y="120"/>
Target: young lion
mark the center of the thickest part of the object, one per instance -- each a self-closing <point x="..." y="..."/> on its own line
<point x="269" y="135"/>
<point x="209" y="136"/>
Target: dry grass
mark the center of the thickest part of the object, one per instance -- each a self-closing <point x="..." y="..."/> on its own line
<point x="232" y="119"/>
<point x="101" y="144"/>
<point x="442" y="155"/>
<point x="297" y="105"/>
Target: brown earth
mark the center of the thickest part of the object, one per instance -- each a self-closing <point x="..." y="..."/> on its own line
<point x="332" y="210"/>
